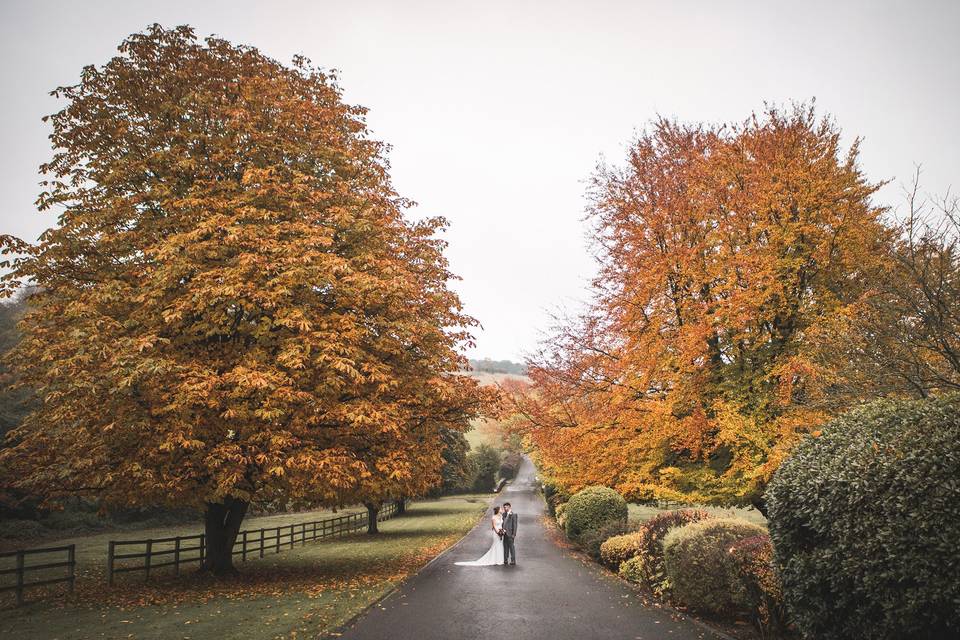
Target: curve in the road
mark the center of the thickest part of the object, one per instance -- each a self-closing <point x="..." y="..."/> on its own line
<point x="548" y="595"/>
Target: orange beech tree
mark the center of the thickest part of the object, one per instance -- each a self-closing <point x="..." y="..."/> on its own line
<point x="233" y="308"/>
<point x="730" y="259"/>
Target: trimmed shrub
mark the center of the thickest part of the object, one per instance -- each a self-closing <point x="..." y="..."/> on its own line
<point x="755" y="583"/>
<point x="650" y="542"/>
<point x="695" y="560"/>
<point x="632" y="570"/>
<point x="592" y="509"/>
<point x="618" y="549"/>
<point x="592" y="540"/>
<point x="865" y="522"/>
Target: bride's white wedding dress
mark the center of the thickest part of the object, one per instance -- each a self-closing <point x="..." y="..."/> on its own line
<point x="494" y="554"/>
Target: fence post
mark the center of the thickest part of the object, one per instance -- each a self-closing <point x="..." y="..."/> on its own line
<point x="203" y="548"/>
<point x="72" y="559"/>
<point x="278" y="539"/>
<point x="176" y="555"/>
<point x="148" y="559"/>
<point x="261" y="542"/>
<point x="292" y="527"/>
<point x="244" y="552"/>
<point x="20" y="555"/>
<point x="111" y="551"/>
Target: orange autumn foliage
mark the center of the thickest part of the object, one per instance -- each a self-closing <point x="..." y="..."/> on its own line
<point x="233" y="308"/>
<point x="729" y="256"/>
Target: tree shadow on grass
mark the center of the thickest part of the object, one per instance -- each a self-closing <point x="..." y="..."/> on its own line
<point x="368" y="561"/>
<point x="310" y="576"/>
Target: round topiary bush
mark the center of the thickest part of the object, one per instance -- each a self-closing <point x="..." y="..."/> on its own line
<point x="695" y="559"/>
<point x="650" y="537"/>
<point x="591" y="540"/>
<point x="618" y="549"/>
<point x="865" y="522"/>
<point x="592" y="509"/>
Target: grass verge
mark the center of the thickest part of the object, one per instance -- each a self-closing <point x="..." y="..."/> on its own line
<point x="301" y="593"/>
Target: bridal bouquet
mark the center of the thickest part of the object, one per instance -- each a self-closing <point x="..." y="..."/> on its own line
<point x="500" y="533"/>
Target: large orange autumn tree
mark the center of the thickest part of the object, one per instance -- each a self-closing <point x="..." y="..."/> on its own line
<point x="232" y="308"/>
<point x="731" y="259"/>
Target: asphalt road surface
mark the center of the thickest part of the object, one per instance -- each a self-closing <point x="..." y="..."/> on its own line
<point x="549" y="595"/>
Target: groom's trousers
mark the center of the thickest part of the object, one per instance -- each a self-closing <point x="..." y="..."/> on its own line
<point x="509" y="552"/>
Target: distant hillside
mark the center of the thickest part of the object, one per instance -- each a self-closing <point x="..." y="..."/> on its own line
<point x="498" y="366"/>
<point x="485" y="378"/>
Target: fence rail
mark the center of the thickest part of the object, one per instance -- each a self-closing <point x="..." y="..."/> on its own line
<point x="156" y="553"/>
<point x="22" y="570"/>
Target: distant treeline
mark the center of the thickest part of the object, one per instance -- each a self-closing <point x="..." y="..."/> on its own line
<point x="499" y="366"/>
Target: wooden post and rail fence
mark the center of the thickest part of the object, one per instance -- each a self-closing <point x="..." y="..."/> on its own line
<point x="156" y="553"/>
<point x="146" y="556"/>
<point x="60" y="561"/>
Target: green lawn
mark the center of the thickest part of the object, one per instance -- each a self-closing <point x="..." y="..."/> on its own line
<point x="641" y="512"/>
<point x="92" y="547"/>
<point x="302" y="592"/>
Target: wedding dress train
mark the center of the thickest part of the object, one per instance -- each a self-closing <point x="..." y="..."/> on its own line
<point x="494" y="554"/>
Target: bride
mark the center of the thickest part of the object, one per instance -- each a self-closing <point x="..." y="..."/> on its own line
<point x="494" y="554"/>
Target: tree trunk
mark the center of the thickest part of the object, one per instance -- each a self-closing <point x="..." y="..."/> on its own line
<point x="401" y="506"/>
<point x="759" y="503"/>
<point x="373" y="510"/>
<point x="221" y="526"/>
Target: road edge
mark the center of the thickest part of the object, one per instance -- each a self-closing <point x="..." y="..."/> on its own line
<point x="603" y="574"/>
<point x="342" y="628"/>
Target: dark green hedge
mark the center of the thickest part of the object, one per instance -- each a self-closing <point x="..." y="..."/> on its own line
<point x="865" y="523"/>
<point x="592" y="510"/>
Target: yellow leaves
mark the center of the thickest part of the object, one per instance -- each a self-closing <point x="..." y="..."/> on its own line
<point x="249" y="378"/>
<point x="732" y="259"/>
<point x="292" y="306"/>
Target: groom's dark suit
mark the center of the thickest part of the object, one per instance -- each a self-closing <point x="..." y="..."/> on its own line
<point x="509" y="533"/>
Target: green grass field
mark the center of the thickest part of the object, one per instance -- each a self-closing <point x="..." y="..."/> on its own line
<point x="303" y="592"/>
<point x="92" y="546"/>
<point x="641" y="512"/>
<point x="482" y="431"/>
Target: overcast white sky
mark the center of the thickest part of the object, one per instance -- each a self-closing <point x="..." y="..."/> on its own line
<point x="498" y="111"/>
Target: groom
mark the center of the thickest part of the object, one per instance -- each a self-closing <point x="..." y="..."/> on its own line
<point x="509" y="533"/>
